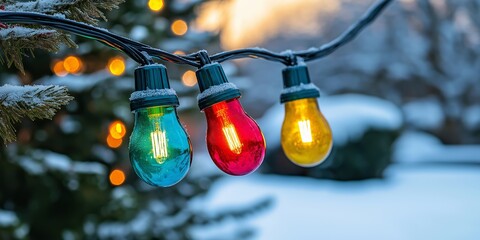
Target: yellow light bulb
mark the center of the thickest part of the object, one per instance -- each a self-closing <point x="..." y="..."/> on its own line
<point x="306" y="136"/>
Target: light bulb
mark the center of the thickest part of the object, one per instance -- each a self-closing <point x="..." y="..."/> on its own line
<point x="234" y="140"/>
<point x="306" y="137"/>
<point x="160" y="150"/>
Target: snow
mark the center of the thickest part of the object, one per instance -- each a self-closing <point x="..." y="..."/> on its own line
<point x="68" y="124"/>
<point x="152" y="93"/>
<point x="435" y="202"/>
<point x="422" y="147"/>
<point x="300" y="88"/>
<point x="471" y="117"/>
<point x="22" y="32"/>
<point x="215" y="89"/>
<point x="8" y="218"/>
<point x="104" y="153"/>
<point x="44" y="161"/>
<point x="349" y="115"/>
<point x="77" y="83"/>
<point x="424" y="113"/>
<point x="34" y="6"/>
<point x="139" y="33"/>
<point x="12" y="95"/>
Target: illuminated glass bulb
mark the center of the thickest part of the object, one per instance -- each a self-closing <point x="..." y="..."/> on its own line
<point x="160" y="150"/>
<point x="234" y="140"/>
<point x="306" y="136"/>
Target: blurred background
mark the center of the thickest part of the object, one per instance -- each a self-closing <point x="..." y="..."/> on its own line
<point x="403" y="101"/>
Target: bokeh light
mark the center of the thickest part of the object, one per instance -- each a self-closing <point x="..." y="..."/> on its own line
<point x="116" y="66"/>
<point x="155" y="5"/>
<point x="117" y="129"/>
<point x="117" y="177"/>
<point x="179" y="27"/>
<point x="58" y="69"/>
<point x="189" y="79"/>
<point x="72" y="64"/>
<point x="112" y="142"/>
<point x="179" y="52"/>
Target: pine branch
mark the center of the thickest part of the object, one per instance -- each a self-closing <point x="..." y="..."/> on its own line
<point x="34" y="102"/>
<point x="16" y="41"/>
<point x="88" y="11"/>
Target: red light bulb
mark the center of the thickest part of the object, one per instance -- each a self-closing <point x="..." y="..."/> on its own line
<point x="235" y="142"/>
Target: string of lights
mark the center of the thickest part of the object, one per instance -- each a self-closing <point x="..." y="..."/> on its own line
<point x="160" y="149"/>
<point x="133" y="48"/>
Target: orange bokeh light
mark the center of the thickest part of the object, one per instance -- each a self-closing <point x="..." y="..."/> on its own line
<point x="113" y="143"/>
<point x="189" y="78"/>
<point x="117" y="177"/>
<point x="58" y="69"/>
<point x="179" y="27"/>
<point x="116" y="66"/>
<point x="179" y="52"/>
<point x="117" y="129"/>
<point x="72" y="64"/>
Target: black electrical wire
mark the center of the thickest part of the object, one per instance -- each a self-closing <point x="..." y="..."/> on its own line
<point x="347" y="36"/>
<point x="73" y="27"/>
<point x="134" y="49"/>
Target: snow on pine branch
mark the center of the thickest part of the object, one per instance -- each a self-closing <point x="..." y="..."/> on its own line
<point x="34" y="102"/>
<point x="22" y="32"/>
<point x="88" y="11"/>
<point x="16" y="40"/>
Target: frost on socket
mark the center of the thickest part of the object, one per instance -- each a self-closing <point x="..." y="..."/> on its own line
<point x="152" y="93"/>
<point x="300" y="88"/>
<point x="216" y="89"/>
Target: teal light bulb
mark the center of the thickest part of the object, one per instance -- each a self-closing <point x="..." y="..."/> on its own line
<point x="160" y="150"/>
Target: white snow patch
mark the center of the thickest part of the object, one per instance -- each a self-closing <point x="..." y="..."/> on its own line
<point x="8" y="218"/>
<point x="104" y="153"/>
<point x="58" y="162"/>
<point x="424" y="113"/>
<point x="22" y="32"/>
<point x="471" y="117"/>
<point x="11" y="95"/>
<point x="423" y="147"/>
<point x="215" y="89"/>
<point x="152" y="93"/>
<point x="70" y="125"/>
<point x="139" y="33"/>
<point x="77" y="83"/>
<point x="300" y="88"/>
<point x="349" y="116"/>
<point x="31" y="166"/>
<point x="426" y="203"/>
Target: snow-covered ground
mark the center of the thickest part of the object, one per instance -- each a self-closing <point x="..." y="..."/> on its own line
<point x="413" y="202"/>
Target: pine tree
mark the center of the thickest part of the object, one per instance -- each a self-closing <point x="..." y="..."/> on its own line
<point x="54" y="179"/>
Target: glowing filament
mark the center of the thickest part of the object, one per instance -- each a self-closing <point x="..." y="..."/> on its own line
<point x="305" y="131"/>
<point x="232" y="139"/>
<point x="159" y="144"/>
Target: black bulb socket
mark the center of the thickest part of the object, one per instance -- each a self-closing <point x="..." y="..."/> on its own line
<point x="296" y="76"/>
<point x="152" y="77"/>
<point x="209" y="76"/>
